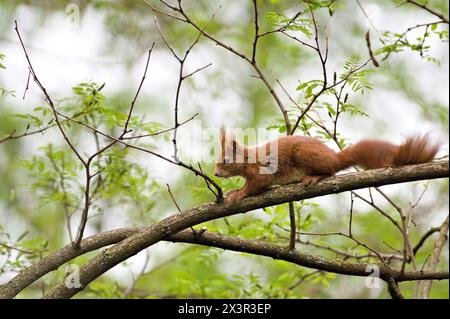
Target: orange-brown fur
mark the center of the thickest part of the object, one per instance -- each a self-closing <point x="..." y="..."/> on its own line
<point x="307" y="160"/>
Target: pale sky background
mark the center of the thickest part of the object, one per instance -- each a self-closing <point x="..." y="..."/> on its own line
<point x="64" y="54"/>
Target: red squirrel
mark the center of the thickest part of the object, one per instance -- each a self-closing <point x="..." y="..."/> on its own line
<point x="308" y="160"/>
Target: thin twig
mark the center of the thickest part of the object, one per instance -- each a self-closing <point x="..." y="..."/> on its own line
<point x="24" y="251"/>
<point x="255" y="66"/>
<point x="255" y="41"/>
<point x="173" y="198"/>
<point x="160" y="132"/>
<point x="303" y="278"/>
<point x="438" y="246"/>
<point x="48" y="98"/>
<point x="425" y="236"/>
<point x="426" y="8"/>
<point x="125" y="129"/>
<point x="403" y="34"/>
<point x="358" y="242"/>
<point x="366" y="15"/>
<point x="121" y="141"/>
<point x="176" y="204"/>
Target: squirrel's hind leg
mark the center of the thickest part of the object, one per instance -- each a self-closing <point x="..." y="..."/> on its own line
<point x="309" y="180"/>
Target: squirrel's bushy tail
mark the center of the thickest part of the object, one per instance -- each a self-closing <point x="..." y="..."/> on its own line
<point x="370" y="154"/>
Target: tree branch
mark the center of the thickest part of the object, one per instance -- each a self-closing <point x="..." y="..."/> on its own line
<point x="169" y="226"/>
<point x="130" y="112"/>
<point x="435" y="256"/>
<point x="218" y="42"/>
<point x="47" y="96"/>
<point x="60" y="257"/>
<point x="255" y="41"/>
<point x="433" y="12"/>
<point x="425" y="236"/>
<point x="393" y="288"/>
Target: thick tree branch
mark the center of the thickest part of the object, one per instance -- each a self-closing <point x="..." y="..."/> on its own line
<point x="297" y="257"/>
<point x="58" y="258"/>
<point x="190" y="217"/>
<point x="435" y="256"/>
<point x="145" y="236"/>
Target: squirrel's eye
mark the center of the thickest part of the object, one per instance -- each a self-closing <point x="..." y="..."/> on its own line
<point x="226" y="160"/>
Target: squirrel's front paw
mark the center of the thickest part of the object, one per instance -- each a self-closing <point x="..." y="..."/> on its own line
<point x="234" y="196"/>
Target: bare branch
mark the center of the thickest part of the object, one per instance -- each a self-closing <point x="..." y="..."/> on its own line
<point x="369" y="47"/>
<point x="255" y="41"/>
<point x="198" y="70"/>
<point x="125" y="129"/>
<point x="165" y="41"/>
<point x="349" y="236"/>
<point x="425" y="236"/>
<point x="173" y="198"/>
<point x="86" y="163"/>
<point x="324" y="71"/>
<point x="28" y="85"/>
<point x="206" y="181"/>
<point x="371" y="203"/>
<point x="293" y="230"/>
<point x="407" y="249"/>
<point x="120" y="141"/>
<point x="304" y="278"/>
<point x="255" y="66"/>
<point x="23" y="251"/>
<point x="87" y="199"/>
<point x="48" y="98"/>
<point x="160" y="132"/>
<point x="12" y="135"/>
<point x="164" y="13"/>
<point x="347" y="255"/>
<point x="366" y="15"/>
<point x="426" y="8"/>
<point x="393" y="288"/>
<point x="60" y="257"/>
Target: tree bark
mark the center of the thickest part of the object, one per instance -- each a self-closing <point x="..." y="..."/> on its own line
<point x="143" y="237"/>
